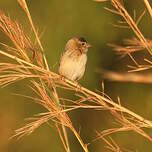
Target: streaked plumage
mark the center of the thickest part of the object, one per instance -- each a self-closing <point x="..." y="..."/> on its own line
<point x="74" y="58"/>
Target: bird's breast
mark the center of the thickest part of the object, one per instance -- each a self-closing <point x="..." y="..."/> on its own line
<point x="73" y="67"/>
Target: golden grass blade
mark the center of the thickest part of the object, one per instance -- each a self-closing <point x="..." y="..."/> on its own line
<point x="25" y="8"/>
<point x="126" y="77"/>
<point x="14" y="31"/>
<point x="148" y="7"/>
<point x="120" y="8"/>
<point x="60" y="134"/>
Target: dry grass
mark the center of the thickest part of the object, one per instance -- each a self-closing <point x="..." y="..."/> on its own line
<point x="126" y="77"/>
<point x="130" y="46"/>
<point x="44" y="83"/>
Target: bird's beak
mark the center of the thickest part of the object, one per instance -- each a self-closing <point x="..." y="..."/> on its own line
<point x="89" y="45"/>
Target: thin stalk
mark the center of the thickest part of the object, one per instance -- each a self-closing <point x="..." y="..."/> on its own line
<point x="25" y="8"/>
<point x="66" y="138"/>
<point x="148" y="7"/>
<point x="123" y="12"/>
<point x="84" y="146"/>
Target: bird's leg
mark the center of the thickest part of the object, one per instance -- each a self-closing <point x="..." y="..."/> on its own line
<point x="62" y="78"/>
<point x="78" y="86"/>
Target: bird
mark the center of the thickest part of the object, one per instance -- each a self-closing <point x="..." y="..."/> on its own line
<point x="74" y="58"/>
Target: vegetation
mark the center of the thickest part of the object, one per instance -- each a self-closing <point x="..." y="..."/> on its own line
<point x="27" y="60"/>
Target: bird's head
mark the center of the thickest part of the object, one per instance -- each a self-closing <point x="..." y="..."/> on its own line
<point x="78" y="44"/>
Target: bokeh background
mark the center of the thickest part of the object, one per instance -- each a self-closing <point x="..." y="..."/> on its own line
<point x="57" y="22"/>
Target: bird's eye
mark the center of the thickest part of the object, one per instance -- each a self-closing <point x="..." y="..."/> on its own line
<point x="83" y="43"/>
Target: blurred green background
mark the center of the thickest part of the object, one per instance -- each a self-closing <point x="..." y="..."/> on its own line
<point x="58" y="21"/>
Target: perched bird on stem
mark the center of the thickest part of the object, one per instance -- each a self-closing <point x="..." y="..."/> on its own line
<point x="74" y="58"/>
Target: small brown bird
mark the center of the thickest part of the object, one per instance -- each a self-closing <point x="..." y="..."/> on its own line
<point x="74" y="58"/>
